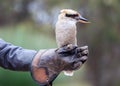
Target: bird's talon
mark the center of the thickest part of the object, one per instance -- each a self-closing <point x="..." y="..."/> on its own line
<point x="70" y="46"/>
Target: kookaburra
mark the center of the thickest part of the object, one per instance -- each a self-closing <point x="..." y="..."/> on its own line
<point x="66" y="29"/>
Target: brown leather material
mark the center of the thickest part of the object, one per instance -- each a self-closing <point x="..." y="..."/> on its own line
<point x="47" y="64"/>
<point x="40" y="75"/>
<point x="37" y="57"/>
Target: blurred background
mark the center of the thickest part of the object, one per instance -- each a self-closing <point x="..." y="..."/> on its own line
<point x="30" y="24"/>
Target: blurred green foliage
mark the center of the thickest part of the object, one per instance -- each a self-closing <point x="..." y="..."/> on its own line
<point x="27" y="36"/>
<point x="20" y="26"/>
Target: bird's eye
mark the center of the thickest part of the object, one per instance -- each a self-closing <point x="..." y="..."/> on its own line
<point x="72" y="15"/>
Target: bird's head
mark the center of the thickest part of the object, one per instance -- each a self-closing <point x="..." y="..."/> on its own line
<point x="71" y="15"/>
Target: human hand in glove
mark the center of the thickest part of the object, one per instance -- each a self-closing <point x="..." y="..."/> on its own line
<point x="47" y="64"/>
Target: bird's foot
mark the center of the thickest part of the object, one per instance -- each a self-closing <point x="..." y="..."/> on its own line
<point x="70" y="46"/>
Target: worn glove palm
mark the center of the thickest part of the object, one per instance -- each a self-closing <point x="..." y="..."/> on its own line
<point x="47" y="64"/>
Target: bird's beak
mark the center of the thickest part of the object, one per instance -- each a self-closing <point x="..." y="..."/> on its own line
<point x="82" y="19"/>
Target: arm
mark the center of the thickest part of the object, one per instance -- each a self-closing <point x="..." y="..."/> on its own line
<point x="45" y="65"/>
<point x="14" y="57"/>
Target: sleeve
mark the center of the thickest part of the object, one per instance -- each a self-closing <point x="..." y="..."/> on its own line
<point x="14" y="57"/>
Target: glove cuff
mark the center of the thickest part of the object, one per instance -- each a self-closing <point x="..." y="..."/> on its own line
<point x="39" y="74"/>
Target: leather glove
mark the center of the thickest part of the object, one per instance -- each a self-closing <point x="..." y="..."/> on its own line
<point x="47" y="64"/>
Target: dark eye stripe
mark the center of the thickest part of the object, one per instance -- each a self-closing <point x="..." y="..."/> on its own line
<point x="72" y="15"/>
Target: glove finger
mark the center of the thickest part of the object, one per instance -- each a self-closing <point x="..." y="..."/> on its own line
<point x="83" y="53"/>
<point x="81" y="59"/>
<point x="77" y="63"/>
<point x="80" y="49"/>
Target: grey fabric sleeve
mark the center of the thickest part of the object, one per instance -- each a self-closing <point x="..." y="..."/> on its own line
<point x="14" y="57"/>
